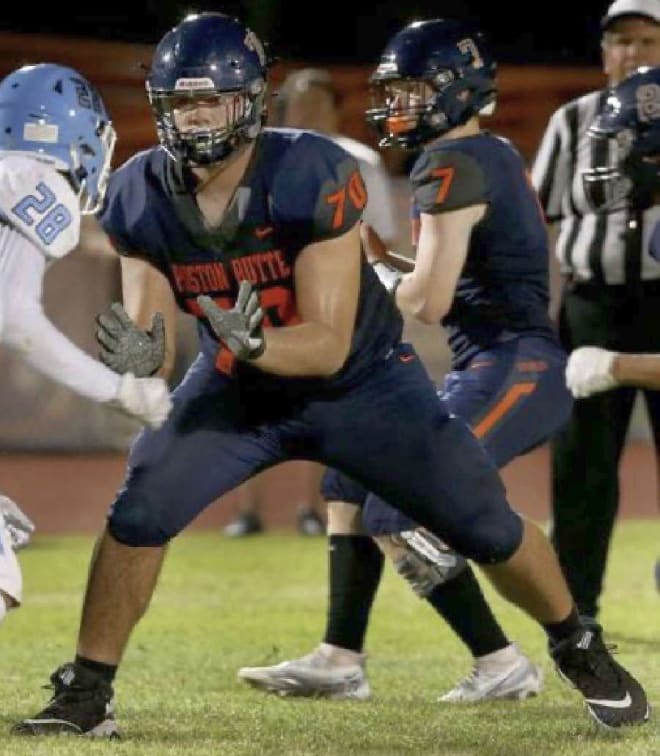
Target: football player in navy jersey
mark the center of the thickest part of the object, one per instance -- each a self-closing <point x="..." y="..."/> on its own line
<point x="482" y="270"/>
<point x="256" y="233"/>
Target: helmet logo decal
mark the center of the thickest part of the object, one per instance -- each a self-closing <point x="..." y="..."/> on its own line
<point x="468" y="47"/>
<point x="648" y="102"/>
<point x="203" y="82"/>
<point x="252" y="42"/>
<point x="41" y="132"/>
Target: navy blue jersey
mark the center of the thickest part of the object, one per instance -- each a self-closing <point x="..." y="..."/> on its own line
<point x="299" y="188"/>
<point x="503" y="289"/>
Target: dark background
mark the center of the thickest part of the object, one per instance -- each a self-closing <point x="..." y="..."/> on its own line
<point x="338" y="32"/>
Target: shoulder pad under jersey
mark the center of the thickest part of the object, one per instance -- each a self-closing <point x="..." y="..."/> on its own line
<point x="319" y="189"/>
<point x="126" y="199"/>
<point x="447" y="179"/>
<point x="39" y="203"/>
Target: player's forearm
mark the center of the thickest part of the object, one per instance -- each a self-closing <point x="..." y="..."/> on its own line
<point x="51" y="353"/>
<point x="413" y="297"/>
<point x="637" y="370"/>
<point x="308" y="349"/>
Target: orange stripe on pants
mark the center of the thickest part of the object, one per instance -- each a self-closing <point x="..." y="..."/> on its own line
<point x="502" y="407"/>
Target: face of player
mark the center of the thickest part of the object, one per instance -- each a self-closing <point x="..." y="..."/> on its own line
<point x="404" y="100"/>
<point x="211" y="112"/>
<point x="629" y="43"/>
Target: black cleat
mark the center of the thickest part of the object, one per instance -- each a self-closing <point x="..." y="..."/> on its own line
<point x="81" y="705"/>
<point x="613" y="697"/>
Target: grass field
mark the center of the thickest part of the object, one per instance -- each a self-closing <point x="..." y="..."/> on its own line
<point x="222" y="604"/>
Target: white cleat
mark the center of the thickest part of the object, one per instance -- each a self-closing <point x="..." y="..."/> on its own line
<point x="311" y="676"/>
<point x="506" y="674"/>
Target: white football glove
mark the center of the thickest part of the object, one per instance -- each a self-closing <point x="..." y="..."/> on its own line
<point x="589" y="371"/>
<point x="147" y="399"/>
<point x="19" y="526"/>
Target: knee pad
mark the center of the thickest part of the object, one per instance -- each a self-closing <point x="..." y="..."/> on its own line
<point x="422" y="559"/>
<point x="137" y="525"/>
<point x="493" y="540"/>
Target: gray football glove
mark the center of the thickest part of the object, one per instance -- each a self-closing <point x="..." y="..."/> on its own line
<point x="240" y="328"/>
<point x="125" y="348"/>
<point x="18" y="524"/>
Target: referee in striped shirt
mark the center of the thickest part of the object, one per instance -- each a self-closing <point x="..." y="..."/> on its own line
<point x="611" y="299"/>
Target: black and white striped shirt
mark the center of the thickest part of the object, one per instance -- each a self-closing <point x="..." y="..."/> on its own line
<point x="590" y="246"/>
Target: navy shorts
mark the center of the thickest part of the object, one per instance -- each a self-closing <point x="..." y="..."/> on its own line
<point x="514" y="398"/>
<point x="389" y="433"/>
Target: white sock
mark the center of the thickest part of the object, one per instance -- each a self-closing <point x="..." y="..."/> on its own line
<point x="340" y="657"/>
<point x="498" y="659"/>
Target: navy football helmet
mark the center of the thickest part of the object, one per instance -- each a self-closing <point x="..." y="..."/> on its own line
<point x="211" y="60"/>
<point x="625" y="140"/>
<point x="53" y="112"/>
<point x="432" y="76"/>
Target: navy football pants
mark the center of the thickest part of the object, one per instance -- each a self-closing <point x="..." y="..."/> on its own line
<point x="390" y="433"/>
<point x="513" y="396"/>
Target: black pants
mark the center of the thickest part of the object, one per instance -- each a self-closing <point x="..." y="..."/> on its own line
<point x="586" y="453"/>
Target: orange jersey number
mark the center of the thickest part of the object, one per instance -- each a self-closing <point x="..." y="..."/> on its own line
<point x="446" y="176"/>
<point x="357" y="194"/>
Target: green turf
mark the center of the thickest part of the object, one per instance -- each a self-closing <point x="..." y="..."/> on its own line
<point x="223" y="603"/>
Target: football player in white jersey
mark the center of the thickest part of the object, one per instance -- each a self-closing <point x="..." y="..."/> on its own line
<point x="56" y="144"/>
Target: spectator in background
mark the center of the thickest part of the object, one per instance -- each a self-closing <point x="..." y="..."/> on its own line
<point x="308" y="99"/>
<point x="611" y="299"/>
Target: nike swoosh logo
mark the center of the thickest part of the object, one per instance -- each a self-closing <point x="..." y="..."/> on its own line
<point x="407" y="357"/>
<point x="623" y="703"/>
<point x="262" y="232"/>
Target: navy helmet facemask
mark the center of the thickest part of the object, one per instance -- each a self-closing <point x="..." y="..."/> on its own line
<point x="625" y="144"/>
<point x="207" y="87"/>
<point x="432" y="76"/>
